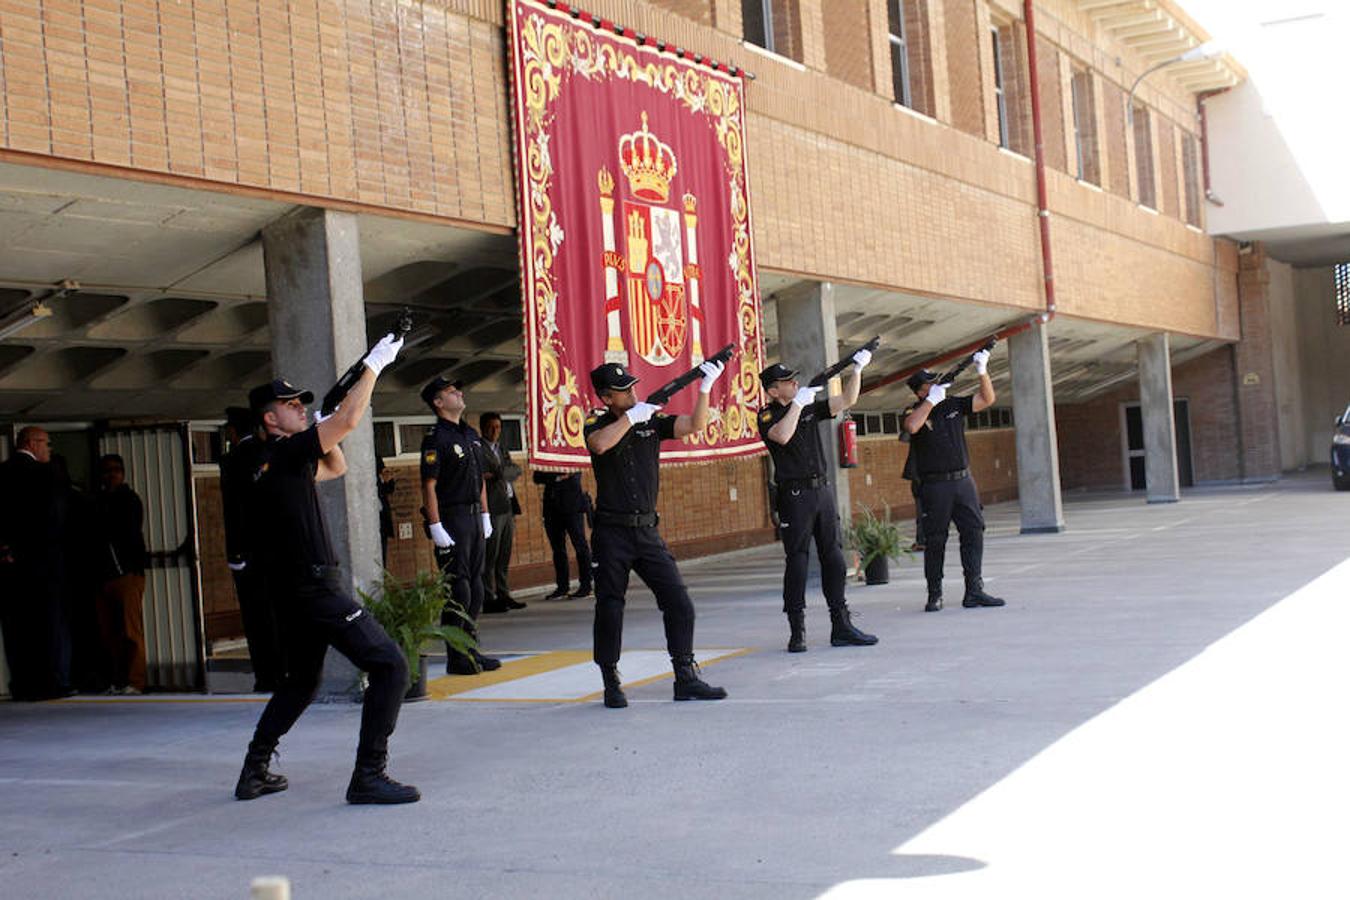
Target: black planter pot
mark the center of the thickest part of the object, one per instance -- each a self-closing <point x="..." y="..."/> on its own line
<point x="418" y="689"/>
<point x="878" y="571"/>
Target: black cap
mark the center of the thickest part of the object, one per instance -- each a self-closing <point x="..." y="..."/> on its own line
<point x="776" y="372"/>
<point x="277" y="389"/>
<point x="612" y="377"/>
<point x="240" y="418"/>
<point x="920" y="378"/>
<point x="436" y="385"/>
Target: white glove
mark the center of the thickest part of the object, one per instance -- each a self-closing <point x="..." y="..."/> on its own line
<point x="487" y="525"/>
<point x="861" y="359"/>
<point x="641" y="412"/>
<point x="981" y="359"/>
<point x="806" y="395"/>
<point x="936" y="393"/>
<point x="383" y="353"/>
<point x="440" y="537"/>
<point x="320" y="418"/>
<point x="237" y="566"/>
<point x="712" y="370"/>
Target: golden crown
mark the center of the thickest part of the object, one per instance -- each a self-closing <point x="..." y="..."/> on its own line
<point x="648" y="162"/>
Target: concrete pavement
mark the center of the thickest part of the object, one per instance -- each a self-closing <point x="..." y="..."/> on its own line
<point x="972" y="753"/>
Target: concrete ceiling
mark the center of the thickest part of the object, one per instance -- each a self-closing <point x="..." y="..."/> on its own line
<point x="1087" y="358"/>
<point x="170" y="318"/>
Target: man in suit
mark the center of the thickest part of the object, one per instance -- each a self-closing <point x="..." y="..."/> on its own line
<point x="565" y="510"/>
<point x="499" y="473"/>
<point x="32" y="537"/>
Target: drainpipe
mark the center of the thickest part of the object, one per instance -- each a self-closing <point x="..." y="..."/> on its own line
<point x="1204" y="141"/>
<point x="1042" y="204"/>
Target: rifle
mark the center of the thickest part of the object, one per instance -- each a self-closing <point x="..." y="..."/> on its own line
<point x="824" y="377"/>
<point x="338" y="392"/>
<point x="953" y="374"/>
<point x="662" y="395"/>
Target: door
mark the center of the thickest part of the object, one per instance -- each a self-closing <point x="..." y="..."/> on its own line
<point x="157" y="468"/>
<point x="1134" y="444"/>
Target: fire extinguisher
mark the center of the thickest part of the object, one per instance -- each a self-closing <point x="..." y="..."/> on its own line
<point x="848" y="443"/>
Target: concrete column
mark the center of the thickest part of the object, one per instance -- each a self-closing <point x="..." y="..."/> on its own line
<point x="317" y="315"/>
<point x="808" y="342"/>
<point x="1033" y="399"/>
<point x="1155" y="407"/>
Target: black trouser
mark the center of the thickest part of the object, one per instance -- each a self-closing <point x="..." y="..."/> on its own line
<point x="618" y="551"/>
<point x="917" y="493"/>
<point x="806" y="514"/>
<point x="462" y="565"/>
<point x="260" y="628"/>
<point x="559" y="526"/>
<point x="497" y="557"/>
<point x="32" y="616"/>
<point x="944" y="502"/>
<point x="314" y="613"/>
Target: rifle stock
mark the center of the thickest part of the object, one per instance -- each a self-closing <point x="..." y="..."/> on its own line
<point x="662" y="395"/>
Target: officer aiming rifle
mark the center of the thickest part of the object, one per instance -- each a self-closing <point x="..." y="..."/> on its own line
<point x="805" y="502"/>
<point x="625" y="446"/>
<point x="939" y="462"/>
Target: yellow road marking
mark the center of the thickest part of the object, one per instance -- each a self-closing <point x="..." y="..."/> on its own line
<point x="448" y="685"/>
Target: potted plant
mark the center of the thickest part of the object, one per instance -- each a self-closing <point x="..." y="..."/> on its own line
<point x="877" y="541"/>
<point x="411" y="614"/>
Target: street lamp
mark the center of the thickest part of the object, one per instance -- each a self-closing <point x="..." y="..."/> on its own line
<point x="1207" y="50"/>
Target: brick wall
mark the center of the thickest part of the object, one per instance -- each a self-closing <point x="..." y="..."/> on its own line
<point x="700" y="11"/>
<point x="876" y="483"/>
<point x="964" y="75"/>
<point x="848" y="48"/>
<point x="1054" y="128"/>
<point x="1090" y="440"/>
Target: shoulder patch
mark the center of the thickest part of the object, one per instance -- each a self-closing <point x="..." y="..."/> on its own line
<point x="765" y="415"/>
<point x="429" y="457"/>
<point x="592" y="419"/>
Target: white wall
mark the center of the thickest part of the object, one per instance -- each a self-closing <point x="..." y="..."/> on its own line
<point x="1324" y="358"/>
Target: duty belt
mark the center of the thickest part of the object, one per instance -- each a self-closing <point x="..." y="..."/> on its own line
<point x="944" y="476"/>
<point x="320" y="573"/>
<point x="472" y="507"/>
<point x="795" y="484"/>
<point x="627" y="520"/>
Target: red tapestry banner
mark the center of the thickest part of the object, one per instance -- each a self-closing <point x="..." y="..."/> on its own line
<point x="634" y="231"/>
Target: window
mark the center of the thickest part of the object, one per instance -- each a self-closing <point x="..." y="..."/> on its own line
<point x="1085" y="127"/>
<point x="773" y="25"/>
<point x="1143" y="156"/>
<point x="993" y="417"/>
<point x="899" y="53"/>
<point x="1000" y="93"/>
<point x="1190" y="176"/>
<point x="1341" y="278"/>
<point x="877" y="424"/>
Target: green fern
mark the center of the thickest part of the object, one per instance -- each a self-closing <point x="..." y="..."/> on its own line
<point x="411" y="614"/>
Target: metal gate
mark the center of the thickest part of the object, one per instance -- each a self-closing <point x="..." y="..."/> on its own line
<point x="158" y="470"/>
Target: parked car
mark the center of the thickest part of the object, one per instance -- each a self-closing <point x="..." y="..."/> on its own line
<point x="1340" y="452"/>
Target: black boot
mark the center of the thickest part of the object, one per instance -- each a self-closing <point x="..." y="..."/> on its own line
<point x="975" y="595"/>
<point x="485" y="663"/>
<point x="371" y="784"/>
<point x="255" y="780"/>
<point x="614" y="697"/>
<point x="558" y="593"/>
<point x="688" y="684"/>
<point x="843" y="633"/>
<point x="797" y="640"/>
<point x="934" y="600"/>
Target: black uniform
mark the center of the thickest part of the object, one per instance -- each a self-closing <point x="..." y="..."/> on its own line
<point x="806" y="505"/>
<point x="565" y="506"/>
<point x="947" y="493"/>
<point x="260" y="627"/>
<point x="627" y="479"/>
<point x="452" y="454"/>
<point x="33" y="509"/>
<point x="312" y="600"/>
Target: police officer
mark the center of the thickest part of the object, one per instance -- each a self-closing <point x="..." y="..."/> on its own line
<point x="806" y="507"/>
<point x="947" y="493"/>
<point x="625" y="445"/>
<point x="455" y="499"/>
<point x="565" y="506"/>
<point x="309" y="592"/>
<point x="236" y="480"/>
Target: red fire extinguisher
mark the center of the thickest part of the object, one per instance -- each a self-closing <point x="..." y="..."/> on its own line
<point x="848" y="443"/>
